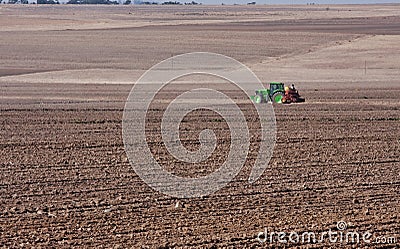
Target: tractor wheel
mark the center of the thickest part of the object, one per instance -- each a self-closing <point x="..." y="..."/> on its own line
<point x="277" y="97"/>
<point x="258" y="99"/>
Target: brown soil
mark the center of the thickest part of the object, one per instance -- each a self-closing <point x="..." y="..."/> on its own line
<point x="65" y="179"/>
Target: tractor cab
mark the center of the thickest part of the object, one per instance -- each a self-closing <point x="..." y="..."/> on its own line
<point x="276" y="92"/>
<point x="276" y="87"/>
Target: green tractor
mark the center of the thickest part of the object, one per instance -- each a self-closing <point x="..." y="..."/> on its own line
<point x="275" y="93"/>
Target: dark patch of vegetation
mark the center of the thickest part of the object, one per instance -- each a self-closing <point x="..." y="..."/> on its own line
<point x="149" y="3"/>
<point x="192" y="3"/>
<point x="47" y="2"/>
<point x="171" y="3"/>
<point x="91" y="2"/>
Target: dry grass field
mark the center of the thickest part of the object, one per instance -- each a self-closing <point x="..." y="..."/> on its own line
<point x="66" y="72"/>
